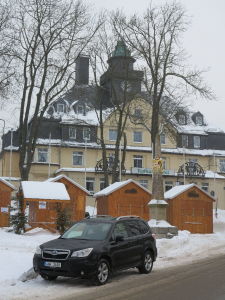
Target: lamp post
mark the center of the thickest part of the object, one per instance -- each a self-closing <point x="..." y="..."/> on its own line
<point x="3" y="132"/>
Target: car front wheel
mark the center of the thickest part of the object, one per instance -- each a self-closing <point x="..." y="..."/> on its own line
<point x="147" y="263"/>
<point x="102" y="274"/>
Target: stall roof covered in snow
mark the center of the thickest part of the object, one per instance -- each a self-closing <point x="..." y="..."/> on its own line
<point x="54" y="179"/>
<point x="117" y="185"/>
<point x="44" y="190"/>
<point x="179" y="189"/>
<point x="7" y="183"/>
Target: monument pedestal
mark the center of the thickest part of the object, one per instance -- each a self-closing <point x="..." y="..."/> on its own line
<point x="158" y="220"/>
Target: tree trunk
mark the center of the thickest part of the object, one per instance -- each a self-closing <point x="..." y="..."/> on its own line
<point x="157" y="174"/>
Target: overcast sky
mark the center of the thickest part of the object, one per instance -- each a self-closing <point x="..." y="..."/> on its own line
<point x="204" y="42"/>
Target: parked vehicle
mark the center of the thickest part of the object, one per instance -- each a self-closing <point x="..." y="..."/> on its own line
<point x="95" y="247"/>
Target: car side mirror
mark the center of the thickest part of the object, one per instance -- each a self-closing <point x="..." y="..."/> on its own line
<point x="119" y="238"/>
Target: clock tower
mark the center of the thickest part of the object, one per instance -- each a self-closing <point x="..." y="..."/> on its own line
<point x="120" y="80"/>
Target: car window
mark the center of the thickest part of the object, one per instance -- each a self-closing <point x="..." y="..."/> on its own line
<point x="134" y="227"/>
<point x="144" y="228"/>
<point x="88" y="231"/>
<point x="120" y="230"/>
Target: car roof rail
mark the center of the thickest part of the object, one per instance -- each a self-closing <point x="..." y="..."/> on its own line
<point x="124" y="217"/>
<point x="99" y="216"/>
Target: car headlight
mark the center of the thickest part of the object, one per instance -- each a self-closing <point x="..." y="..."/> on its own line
<point x="82" y="253"/>
<point x="38" y="250"/>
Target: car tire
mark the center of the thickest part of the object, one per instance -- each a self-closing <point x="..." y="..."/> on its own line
<point x="102" y="274"/>
<point x="147" y="264"/>
<point x="48" y="277"/>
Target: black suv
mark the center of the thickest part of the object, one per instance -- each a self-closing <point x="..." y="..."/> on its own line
<point x="96" y="246"/>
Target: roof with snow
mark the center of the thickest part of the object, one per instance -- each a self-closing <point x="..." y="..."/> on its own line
<point x="44" y="190"/>
<point x="54" y="179"/>
<point x="7" y="183"/>
<point x="117" y="185"/>
<point x="179" y="189"/>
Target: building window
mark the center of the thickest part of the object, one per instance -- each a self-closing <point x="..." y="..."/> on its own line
<point x="60" y="108"/>
<point x="72" y="132"/>
<point x="144" y="183"/>
<point x="222" y="165"/>
<point x="42" y="154"/>
<point x="205" y="186"/>
<point x="137" y="113"/>
<point x="137" y="136"/>
<point x="80" y="109"/>
<point x="102" y="183"/>
<point x="90" y="184"/>
<point x="138" y="160"/>
<point x="184" y="140"/>
<point x="196" y="141"/>
<point x="162" y="139"/>
<point x="112" y="134"/>
<point x="77" y="158"/>
<point x="86" y="134"/>
<point x="168" y="185"/>
<point x="182" y="119"/>
<point x="198" y="120"/>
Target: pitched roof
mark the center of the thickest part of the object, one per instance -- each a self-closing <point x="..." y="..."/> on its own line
<point x="117" y="185"/>
<point x="7" y="183"/>
<point x="179" y="189"/>
<point x="44" y="190"/>
<point x="54" y="179"/>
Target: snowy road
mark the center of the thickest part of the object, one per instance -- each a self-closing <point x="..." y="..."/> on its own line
<point x="200" y="280"/>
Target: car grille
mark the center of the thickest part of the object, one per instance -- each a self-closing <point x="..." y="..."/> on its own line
<point x="56" y="254"/>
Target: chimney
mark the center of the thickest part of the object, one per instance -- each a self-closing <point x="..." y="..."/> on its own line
<point x="82" y="70"/>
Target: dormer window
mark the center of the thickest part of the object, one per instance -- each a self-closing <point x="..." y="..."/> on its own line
<point x="80" y="109"/>
<point x="60" y="108"/>
<point x="199" y="120"/>
<point x="182" y="119"/>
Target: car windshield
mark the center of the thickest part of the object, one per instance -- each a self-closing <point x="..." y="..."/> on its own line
<point x="88" y="231"/>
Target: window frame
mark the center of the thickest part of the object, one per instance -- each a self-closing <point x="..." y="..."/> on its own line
<point x="111" y="131"/>
<point x="87" y="129"/>
<point x="136" y="160"/>
<point x="60" y="105"/>
<point x="78" y="154"/>
<point x="45" y="151"/>
<point x="162" y="138"/>
<point x="182" y="119"/>
<point x="198" y="145"/>
<point x="136" y="134"/>
<point x="75" y="131"/>
<point x="92" y="181"/>
<point x="184" y="140"/>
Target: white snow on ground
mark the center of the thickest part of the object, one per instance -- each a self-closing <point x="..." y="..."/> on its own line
<point x="16" y="252"/>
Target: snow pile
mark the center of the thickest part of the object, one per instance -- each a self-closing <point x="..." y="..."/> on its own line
<point x="16" y="253"/>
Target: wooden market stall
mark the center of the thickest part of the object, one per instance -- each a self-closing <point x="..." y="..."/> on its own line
<point x="6" y="189"/>
<point x="77" y="194"/>
<point x="44" y="199"/>
<point x="190" y="208"/>
<point x="124" y="198"/>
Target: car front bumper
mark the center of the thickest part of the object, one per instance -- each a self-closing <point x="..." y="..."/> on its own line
<point x="71" y="267"/>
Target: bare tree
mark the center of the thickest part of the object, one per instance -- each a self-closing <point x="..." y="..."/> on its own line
<point x="155" y="36"/>
<point x="48" y="36"/>
<point x="118" y="100"/>
<point x="6" y="71"/>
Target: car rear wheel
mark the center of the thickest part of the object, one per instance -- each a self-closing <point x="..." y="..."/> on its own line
<point x="48" y="277"/>
<point x="147" y="263"/>
<point x="102" y="274"/>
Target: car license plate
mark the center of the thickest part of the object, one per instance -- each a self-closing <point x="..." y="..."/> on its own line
<point x="52" y="264"/>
